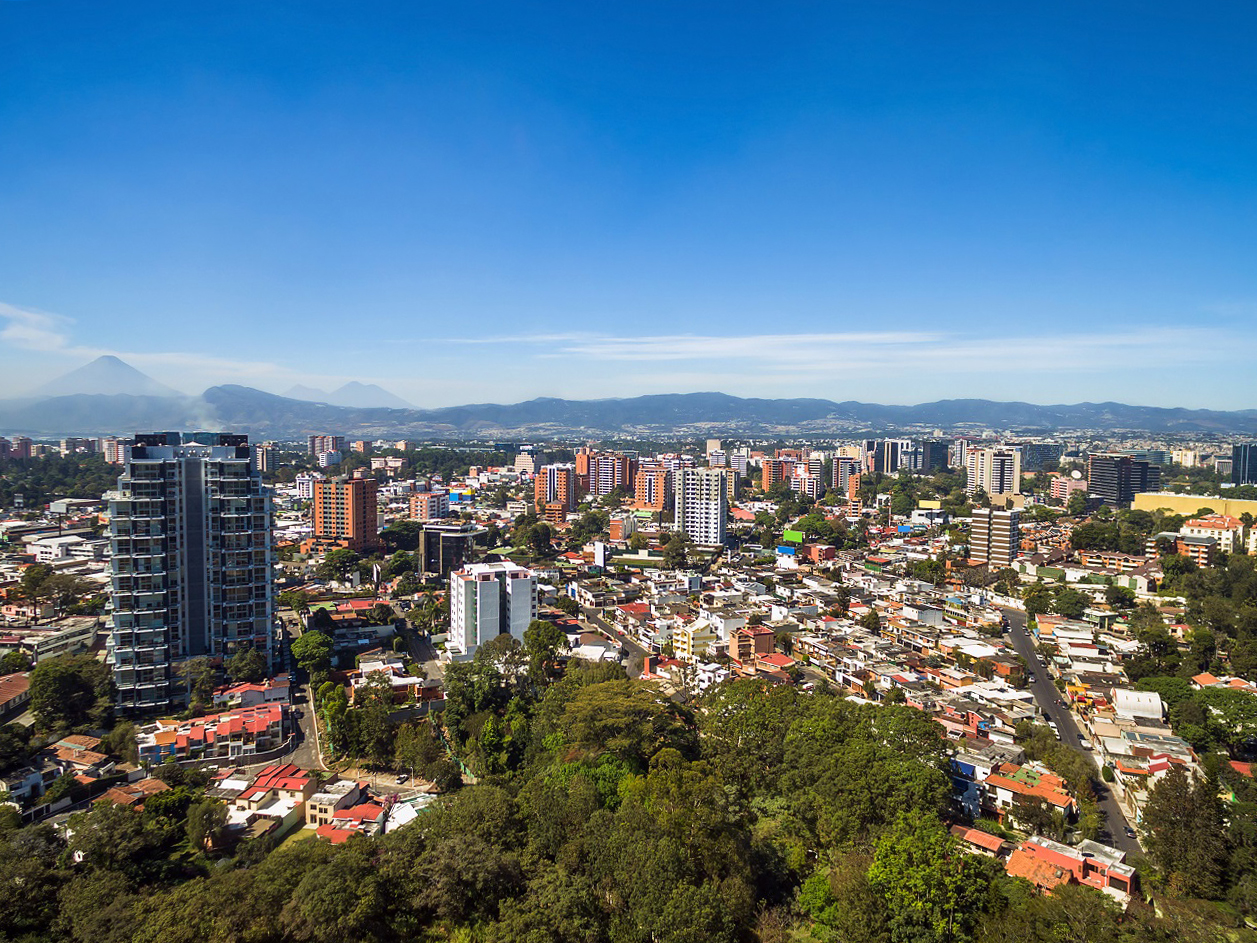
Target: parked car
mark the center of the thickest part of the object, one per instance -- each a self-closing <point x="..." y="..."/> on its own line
<point x="1130" y="832"/>
<point x="402" y="778"/>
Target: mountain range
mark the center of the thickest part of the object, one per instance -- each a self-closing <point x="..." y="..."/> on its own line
<point x="109" y="396"/>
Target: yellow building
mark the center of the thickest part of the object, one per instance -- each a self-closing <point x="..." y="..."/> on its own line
<point x="1189" y="504"/>
<point x="693" y="641"/>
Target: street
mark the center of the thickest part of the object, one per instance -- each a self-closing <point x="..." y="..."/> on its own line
<point x="1049" y="700"/>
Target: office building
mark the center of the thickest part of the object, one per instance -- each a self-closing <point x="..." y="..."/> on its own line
<point x="807" y="484"/>
<point x="1244" y="464"/>
<point x="995" y="471"/>
<point x="444" y="548"/>
<point x="556" y="492"/>
<point x="190" y="528"/>
<point x="361" y="446"/>
<point x="429" y="505"/>
<point x="488" y="600"/>
<point x="994" y="537"/>
<point x="529" y="459"/>
<point x="345" y="514"/>
<point x="1036" y="455"/>
<point x="702" y="504"/>
<point x="1116" y="479"/>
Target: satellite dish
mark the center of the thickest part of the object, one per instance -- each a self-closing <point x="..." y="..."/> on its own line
<point x="1075" y="474"/>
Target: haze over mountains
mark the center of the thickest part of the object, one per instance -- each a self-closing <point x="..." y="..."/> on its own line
<point x="110" y="396"/>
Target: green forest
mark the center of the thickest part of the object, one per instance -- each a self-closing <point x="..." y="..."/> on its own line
<point x="603" y="812"/>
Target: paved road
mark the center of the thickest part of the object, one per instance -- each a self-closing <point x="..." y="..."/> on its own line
<point x="1049" y="701"/>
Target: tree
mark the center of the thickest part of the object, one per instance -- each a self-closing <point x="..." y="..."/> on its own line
<point x="337" y="564"/>
<point x="568" y="605"/>
<point x="1182" y="824"/>
<point x="14" y="661"/>
<point x="1076" y="506"/>
<point x="373" y="703"/>
<point x="1071" y="603"/>
<point x="416" y="747"/>
<point x="313" y="651"/>
<point x="676" y="552"/>
<point x="246" y="665"/>
<point x="542" y="643"/>
<point x="206" y="824"/>
<point x="121" y="742"/>
<point x="638" y="542"/>
<point x="539" y="538"/>
<point x="70" y="691"/>
<point x="871" y="621"/>
<point x="295" y="599"/>
<point x="933" y="889"/>
<point x="1119" y="597"/>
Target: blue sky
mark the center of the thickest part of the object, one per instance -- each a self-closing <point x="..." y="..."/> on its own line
<point x="471" y="202"/>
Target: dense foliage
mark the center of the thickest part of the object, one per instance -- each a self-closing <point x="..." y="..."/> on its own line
<point x="604" y="812"/>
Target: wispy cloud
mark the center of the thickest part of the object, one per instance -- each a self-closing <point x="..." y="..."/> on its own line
<point x="879" y="352"/>
<point x="42" y="332"/>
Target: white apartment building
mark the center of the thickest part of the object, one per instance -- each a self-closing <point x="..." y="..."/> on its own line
<point x="488" y="600"/>
<point x="995" y="471"/>
<point x="702" y="504"/>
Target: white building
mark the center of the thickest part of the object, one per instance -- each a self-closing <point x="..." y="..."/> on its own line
<point x="488" y="600"/>
<point x="995" y="471"/>
<point x="702" y="504"/>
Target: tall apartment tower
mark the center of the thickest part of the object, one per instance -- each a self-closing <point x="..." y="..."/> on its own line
<point x="555" y="492"/>
<point x="1116" y="479"/>
<point x="488" y="600"/>
<point x="190" y="528"/>
<point x="652" y="486"/>
<point x="264" y="456"/>
<point x="844" y="467"/>
<point x="1244" y="464"/>
<point x="995" y="471"/>
<point x="318" y="444"/>
<point x="345" y="513"/>
<point x="775" y="471"/>
<point x="994" y="537"/>
<point x="702" y="504"/>
<point x="608" y="471"/>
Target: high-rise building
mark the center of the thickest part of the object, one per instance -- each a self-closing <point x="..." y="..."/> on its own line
<point x="529" y="459"/>
<point x="807" y="484"/>
<point x="1035" y="455"/>
<point x="317" y="444"/>
<point x="994" y="537"/>
<point x="346" y="513"/>
<point x="713" y="445"/>
<point x="21" y="447"/>
<point x="190" y="528"/>
<point x="652" y="487"/>
<point x="264" y="457"/>
<point x="775" y="472"/>
<point x="429" y="505"/>
<point x="488" y="600"/>
<point x="361" y="446"/>
<point x="555" y="492"/>
<point x="844" y="467"/>
<point x="1244" y="463"/>
<point x="995" y="471"/>
<point x="444" y="548"/>
<point x="702" y="504"/>
<point x="1116" y="479"/>
<point x="608" y="471"/>
<point x="932" y="455"/>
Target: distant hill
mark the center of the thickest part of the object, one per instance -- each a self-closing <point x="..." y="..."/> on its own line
<point x="244" y="409"/>
<point x="353" y="394"/>
<point x="105" y="376"/>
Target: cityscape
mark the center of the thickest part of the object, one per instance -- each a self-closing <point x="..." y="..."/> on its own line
<point x="653" y="475"/>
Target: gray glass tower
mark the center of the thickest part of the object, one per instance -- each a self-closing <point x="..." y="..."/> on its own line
<point x="190" y="526"/>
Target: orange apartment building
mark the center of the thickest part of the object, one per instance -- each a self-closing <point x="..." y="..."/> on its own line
<point x="556" y="491"/>
<point x="652" y="488"/>
<point x="775" y="471"/>
<point x="345" y="514"/>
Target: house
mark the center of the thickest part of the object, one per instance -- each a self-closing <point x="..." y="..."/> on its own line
<point x="750" y="642"/>
<point x="978" y="842"/>
<point x="1047" y="863"/>
<point x="233" y="734"/>
<point x="323" y="805"/>
<point x="251" y="694"/>
<point x="133" y="795"/>
<point x="15" y="693"/>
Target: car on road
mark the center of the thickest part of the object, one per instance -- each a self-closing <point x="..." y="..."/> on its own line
<point x="1130" y="832"/>
<point x="1055" y="729"/>
<point x="1032" y="678"/>
<point x="402" y="778"/>
<point x="1082" y="738"/>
